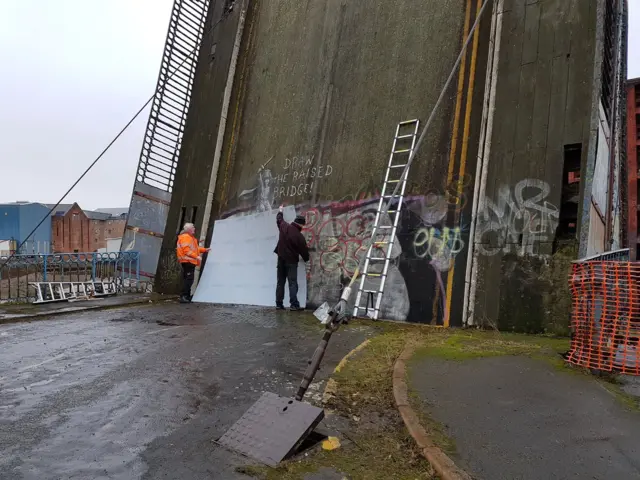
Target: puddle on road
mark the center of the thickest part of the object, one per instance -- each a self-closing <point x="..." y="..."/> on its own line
<point x="166" y="323"/>
<point x="130" y="317"/>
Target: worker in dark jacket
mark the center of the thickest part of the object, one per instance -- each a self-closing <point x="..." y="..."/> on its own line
<point x="291" y="245"/>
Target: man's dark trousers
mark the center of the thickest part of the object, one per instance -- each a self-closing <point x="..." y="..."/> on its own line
<point x="188" y="273"/>
<point x="287" y="272"/>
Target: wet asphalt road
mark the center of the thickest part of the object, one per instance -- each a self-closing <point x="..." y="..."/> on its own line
<point x="117" y="395"/>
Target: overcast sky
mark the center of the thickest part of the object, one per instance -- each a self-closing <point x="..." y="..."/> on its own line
<point x="73" y="73"/>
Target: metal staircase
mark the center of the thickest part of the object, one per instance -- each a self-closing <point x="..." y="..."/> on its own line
<point x="162" y="141"/>
<point x="165" y="127"/>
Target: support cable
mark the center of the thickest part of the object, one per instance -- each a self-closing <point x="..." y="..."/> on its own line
<point x="93" y="164"/>
<point x="385" y="207"/>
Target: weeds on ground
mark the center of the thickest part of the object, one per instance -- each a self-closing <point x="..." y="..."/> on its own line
<point x="371" y="456"/>
<point x="469" y="344"/>
<point x="614" y="385"/>
<point x="376" y="445"/>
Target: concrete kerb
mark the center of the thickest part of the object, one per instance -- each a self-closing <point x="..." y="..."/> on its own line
<point x="440" y="461"/>
<point x="27" y="317"/>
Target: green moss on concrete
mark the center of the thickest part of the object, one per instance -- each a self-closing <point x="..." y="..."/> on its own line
<point x="462" y="345"/>
<point x="557" y="296"/>
<point x="535" y="296"/>
<point x="614" y="385"/>
<point x="521" y="295"/>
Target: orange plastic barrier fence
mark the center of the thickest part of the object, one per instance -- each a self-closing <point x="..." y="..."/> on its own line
<point x="606" y="316"/>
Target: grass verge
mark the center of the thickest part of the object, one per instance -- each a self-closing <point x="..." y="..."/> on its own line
<point x="376" y="445"/>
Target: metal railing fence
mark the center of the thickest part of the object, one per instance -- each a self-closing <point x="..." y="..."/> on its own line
<point x="120" y="268"/>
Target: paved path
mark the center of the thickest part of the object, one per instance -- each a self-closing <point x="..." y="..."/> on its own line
<point x="516" y="418"/>
<point x="10" y="312"/>
<point x="141" y="393"/>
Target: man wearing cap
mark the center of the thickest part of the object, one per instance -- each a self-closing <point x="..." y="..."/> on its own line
<point x="291" y="245"/>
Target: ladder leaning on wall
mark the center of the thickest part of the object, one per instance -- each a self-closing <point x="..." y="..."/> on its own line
<point x="373" y="278"/>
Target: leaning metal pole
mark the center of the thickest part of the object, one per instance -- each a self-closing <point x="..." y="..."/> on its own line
<point x="338" y="315"/>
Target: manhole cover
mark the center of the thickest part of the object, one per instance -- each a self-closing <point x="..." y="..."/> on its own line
<point x="272" y="429"/>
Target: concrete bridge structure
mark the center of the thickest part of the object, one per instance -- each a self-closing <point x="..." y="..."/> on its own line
<point x="520" y="172"/>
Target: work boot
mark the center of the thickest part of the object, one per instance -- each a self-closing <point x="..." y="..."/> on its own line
<point x="279" y="307"/>
<point x="184" y="299"/>
<point x="296" y="308"/>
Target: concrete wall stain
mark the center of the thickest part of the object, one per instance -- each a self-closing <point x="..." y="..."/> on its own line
<point x="325" y="112"/>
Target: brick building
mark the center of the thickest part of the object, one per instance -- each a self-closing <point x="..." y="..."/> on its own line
<point x="76" y="230"/>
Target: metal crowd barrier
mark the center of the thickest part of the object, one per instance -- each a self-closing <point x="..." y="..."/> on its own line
<point x="19" y="276"/>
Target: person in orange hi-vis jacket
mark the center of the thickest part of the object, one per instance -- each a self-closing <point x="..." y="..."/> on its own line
<point x="190" y="256"/>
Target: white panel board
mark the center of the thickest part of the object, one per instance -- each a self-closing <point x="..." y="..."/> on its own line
<point x="597" y="232"/>
<point x="600" y="186"/>
<point x="241" y="266"/>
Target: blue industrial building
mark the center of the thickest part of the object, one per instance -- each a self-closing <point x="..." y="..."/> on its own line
<point x="18" y="219"/>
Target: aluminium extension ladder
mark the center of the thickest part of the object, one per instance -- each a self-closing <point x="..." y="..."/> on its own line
<point x="49" y="292"/>
<point x="404" y="143"/>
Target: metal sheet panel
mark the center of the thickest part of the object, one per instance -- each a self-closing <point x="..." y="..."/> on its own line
<point x="145" y="225"/>
<point x="9" y="222"/>
<point x="600" y="188"/>
<point x="30" y="215"/>
<point x="272" y="429"/>
<point x="241" y="267"/>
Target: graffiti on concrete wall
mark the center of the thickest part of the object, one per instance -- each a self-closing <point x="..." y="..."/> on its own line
<point x="435" y="240"/>
<point x="441" y="246"/>
<point x="169" y="270"/>
<point x="338" y="232"/>
<point x="339" y="236"/>
<point x="518" y="220"/>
